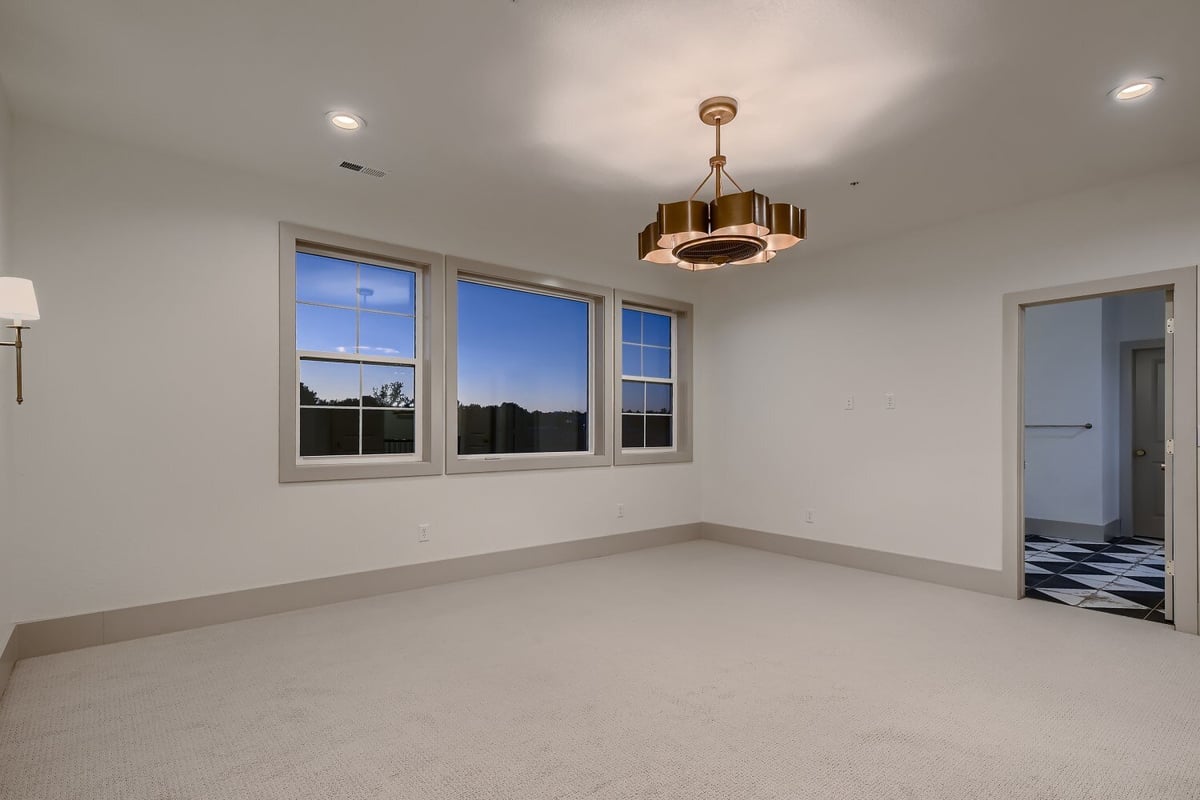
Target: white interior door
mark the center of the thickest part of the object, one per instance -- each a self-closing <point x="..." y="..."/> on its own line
<point x="1148" y="465"/>
<point x="1168" y="461"/>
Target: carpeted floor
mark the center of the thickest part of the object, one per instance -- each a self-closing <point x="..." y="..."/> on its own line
<point x="697" y="671"/>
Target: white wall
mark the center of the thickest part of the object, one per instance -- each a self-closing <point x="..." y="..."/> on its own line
<point x="919" y="315"/>
<point x="1073" y="375"/>
<point x="147" y="445"/>
<point x="1065" y="468"/>
<point x="145" y="458"/>
<point x="7" y="604"/>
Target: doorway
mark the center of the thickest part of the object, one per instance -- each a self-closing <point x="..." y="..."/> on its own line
<point x="1100" y="505"/>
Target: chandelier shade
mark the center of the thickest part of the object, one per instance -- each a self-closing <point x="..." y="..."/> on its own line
<point x="681" y="222"/>
<point x="698" y="267"/>
<point x="789" y="226"/>
<point x="740" y="228"/>
<point x="741" y="214"/>
<point x="649" y="249"/>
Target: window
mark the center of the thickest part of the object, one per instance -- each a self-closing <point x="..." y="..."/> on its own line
<point x="522" y="370"/>
<point x="654" y="376"/>
<point x="395" y="362"/>
<point x="647" y="379"/>
<point x="357" y="368"/>
<point x="356" y="341"/>
<point x="525" y="370"/>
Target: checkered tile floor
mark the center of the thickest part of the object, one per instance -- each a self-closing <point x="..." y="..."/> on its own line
<point x="1124" y="576"/>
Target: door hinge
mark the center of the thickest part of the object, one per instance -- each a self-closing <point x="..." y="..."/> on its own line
<point x="1170" y="324"/>
<point x="1170" y="447"/>
<point x="1171" y="567"/>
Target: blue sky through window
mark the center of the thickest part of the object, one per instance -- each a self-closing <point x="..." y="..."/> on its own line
<point x="335" y="282"/>
<point x="521" y="347"/>
<point x="645" y="344"/>
<point x="355" y="310"/>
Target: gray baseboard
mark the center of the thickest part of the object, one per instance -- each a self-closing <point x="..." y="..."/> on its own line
<point x="1081" y="531"/>
<point x="922" y="569"/>
<point x="47" y="636"/>
<point x="8" y="656"/>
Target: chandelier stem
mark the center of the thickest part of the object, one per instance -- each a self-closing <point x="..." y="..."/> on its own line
<point x="718" y="167"/>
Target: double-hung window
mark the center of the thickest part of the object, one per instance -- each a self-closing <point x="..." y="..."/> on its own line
<point x="653" y="395"/>
<point x="357" y="400"/>
<point x="526" y="378"/>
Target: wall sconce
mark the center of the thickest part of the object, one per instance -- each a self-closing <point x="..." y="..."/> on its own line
<point x="18" y="303"/>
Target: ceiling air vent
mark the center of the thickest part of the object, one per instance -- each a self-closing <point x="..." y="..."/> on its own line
<point x="374" y="173"/>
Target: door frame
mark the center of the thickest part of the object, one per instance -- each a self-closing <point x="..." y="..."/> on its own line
<point x="1182" y="466"/>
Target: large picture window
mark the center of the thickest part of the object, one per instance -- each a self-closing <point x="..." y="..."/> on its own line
<point x="359" y="391"/>
<point x="522" y="370"/>
<point x="526" y="363"/>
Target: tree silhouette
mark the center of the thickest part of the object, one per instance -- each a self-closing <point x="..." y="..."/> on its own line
<point x="391" y="395"/>
<point x="511" y="428"/>
<point x="307" y="396"/>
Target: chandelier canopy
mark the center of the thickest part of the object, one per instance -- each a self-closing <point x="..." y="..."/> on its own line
<point x="741" y="228"/>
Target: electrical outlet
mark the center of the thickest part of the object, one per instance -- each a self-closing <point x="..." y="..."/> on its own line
<point x="423" y="532"/>
<point x="810" y="516"/>
<point x="849" y="404"/>
<point x="889" y="401"/>
<point x="620" y="510"/>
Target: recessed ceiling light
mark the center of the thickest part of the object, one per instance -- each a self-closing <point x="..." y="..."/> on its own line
<point x="344" y="120"/>
<point x="1135" y="89"/>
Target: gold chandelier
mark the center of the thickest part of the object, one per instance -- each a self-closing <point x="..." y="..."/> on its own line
<point x="741" y="228"/>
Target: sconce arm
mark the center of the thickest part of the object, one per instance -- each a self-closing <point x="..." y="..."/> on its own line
<point x="19" y="346"/>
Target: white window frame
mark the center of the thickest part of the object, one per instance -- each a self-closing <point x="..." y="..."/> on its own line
<point x="427" y="392"/>
<point x="600" y="360"/>
<point x="682" y="325"/>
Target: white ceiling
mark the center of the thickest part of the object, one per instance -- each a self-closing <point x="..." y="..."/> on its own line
<point x="561" y="116"/>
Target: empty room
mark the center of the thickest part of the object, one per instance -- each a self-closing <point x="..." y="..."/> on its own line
<point x="556" y="400"/>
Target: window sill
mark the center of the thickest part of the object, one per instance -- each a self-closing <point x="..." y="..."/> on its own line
<point x="462" y="465"/>
<point x="343" y="471"/>
<point x="649" y="456"/>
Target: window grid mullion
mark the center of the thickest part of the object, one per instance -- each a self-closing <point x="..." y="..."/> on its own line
<point x="352" y="308"/>
<point x="355" y="358"/>
<point x="358" y="346"/>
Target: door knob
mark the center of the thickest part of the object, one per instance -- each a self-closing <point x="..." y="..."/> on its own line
<point x="1139" y="452"/>
<point x="1163" y="466"/>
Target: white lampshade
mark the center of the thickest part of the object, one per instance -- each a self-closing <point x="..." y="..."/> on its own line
<point x="17" y="300"/>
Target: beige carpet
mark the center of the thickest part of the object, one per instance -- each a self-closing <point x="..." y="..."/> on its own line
<point x="698" y="670"/>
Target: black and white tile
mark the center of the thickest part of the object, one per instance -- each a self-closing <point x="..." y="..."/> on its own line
<point x="1124" y="576"/>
